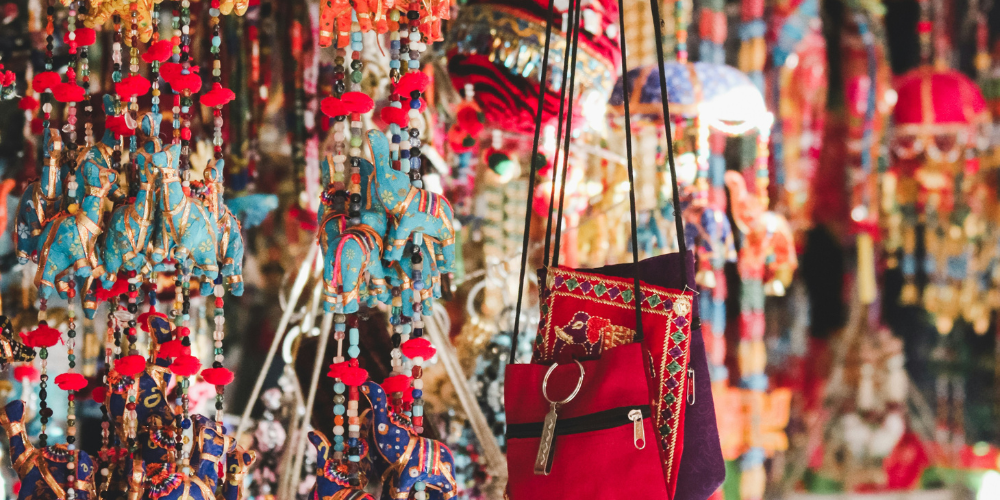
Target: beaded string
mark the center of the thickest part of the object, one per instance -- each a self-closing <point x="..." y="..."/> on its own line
<point x="339" y="182"/>
<point x="87" y="138"/>
<point x="46" y="94"/>
<point x="131" y="332"/>
<point x="109" y="351"/>
<point x="185" y="96"/>
<point x="339" y="388"/>
<point x="216" y="51"/>
<point x="71" y="397"/>
<point x="154" y="79"/>
<point x="43" y="353"/>
<point x="133" y="68"/>
<point x="70" y="127"/>
<point x="681" y="16"/>
<point x="753" y="51"/>
<point x="218" y="334"/>
<point x="175" y="42"/>
<point x="925" y="28"/>
<point x="713" y="32"/>
<point x="400" y="329"/>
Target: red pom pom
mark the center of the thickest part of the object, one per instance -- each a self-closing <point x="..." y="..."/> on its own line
<point x="170" y="70"/>
<point x="418" y="348"/>
<point x="45" y="80"/>
<point x="9" y="78"/>
<point x="131" y="365"/>
<point x="396" y="383"/>
<point x="84" y="37"/>
<point x="185" y="366"/>
<point x="354" y="376"/>
<point x="43" y="336"/>
<point x="358" y="102"/>
<point x="331" y="106"/>
<point x="98" y="394"/>
<point x="118" y="287"/>
<point x="218" y="96"/>
<point x="28" y="372"/>
<point x="470" y="120"/>
<point x="68" y="92"/>
<point x="337" y="370"/>
<point x="183" y="332"/>
<point x="17" y="485"/>
<point x="217" y="376"/>
<point x="71" y="381"/>
<point x="28" y="103"/>
<point x="397" y="116"/>
<point x="132" y="85"/>
<point x="159" y="51"/>
<point x="119" y="126"/>
<point x="173" y="349"/>
<point x="415" y="80"/>
<point x="146" y="316"/>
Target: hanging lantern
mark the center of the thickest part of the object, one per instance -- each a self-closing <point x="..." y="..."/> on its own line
<point x="937" y="113"/>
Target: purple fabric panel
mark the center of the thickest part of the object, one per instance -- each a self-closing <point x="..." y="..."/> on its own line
<point x="702" y="467"/>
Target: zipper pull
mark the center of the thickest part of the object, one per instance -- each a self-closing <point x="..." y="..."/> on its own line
<point x="638" y="433"/>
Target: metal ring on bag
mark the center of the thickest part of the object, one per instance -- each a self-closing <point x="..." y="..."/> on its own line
<point x="545" y="384"/>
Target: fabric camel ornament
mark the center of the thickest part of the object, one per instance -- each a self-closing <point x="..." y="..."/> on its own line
<point x="68" y="243"/>
<point x="129" y="229"/>
<point x="43" y="471"/>
<point x="12" y="350"/>
<point x="238" y="463"/>
<point x="211" y="444"/>
<point x="42" y="199"/>
<point x="411" y="210"/>
<point x="403" y="458"/>
<point x="187" y="230"/>
<point x="332" y="478"/>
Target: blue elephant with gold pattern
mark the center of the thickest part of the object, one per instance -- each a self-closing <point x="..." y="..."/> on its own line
<point x="333" y="480"/>
<point x="42" y="199"/>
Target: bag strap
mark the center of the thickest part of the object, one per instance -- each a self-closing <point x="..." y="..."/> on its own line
<point x="570" y="53"/>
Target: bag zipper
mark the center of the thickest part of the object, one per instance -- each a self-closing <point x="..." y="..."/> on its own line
<point x="607" y="419"/>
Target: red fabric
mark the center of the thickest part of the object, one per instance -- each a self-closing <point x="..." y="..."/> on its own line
<point x="601" y="464"/>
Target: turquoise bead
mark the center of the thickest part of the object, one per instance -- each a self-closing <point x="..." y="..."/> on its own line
<point x="339" y="387"/>
<point x="354" y="351"/>
<point x="338" y="409"/>
<point x="354" y="336"/>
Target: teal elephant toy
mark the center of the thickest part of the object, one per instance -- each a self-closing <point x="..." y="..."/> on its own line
<point x="401" y="457"/>
<point x="402" y="276"/>
<point x="352" y="265"/>
<point x="42" y="199"/>
<point x="332" y="478"/>
<point x="187" y="232"/>
<point x="411" y="210"/>
<point x="130" y="227"/>
<point x="43" y="471"/>
<point x="230" y="233"/>
<point x="68" y="244"/>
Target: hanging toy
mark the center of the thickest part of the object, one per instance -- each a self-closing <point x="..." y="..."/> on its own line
<point x="12" y="350"/>
<point x="42" y="199"/>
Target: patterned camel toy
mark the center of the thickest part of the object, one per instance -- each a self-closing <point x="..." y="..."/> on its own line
<point x="42" y="199"/>
<point x="332" y="478"/>
<point x="211" y="445"/>
<point x="187" y="230"/>
<point x="68" y="244"/>
<point x="12" y="350"/>
<point x="401" y="457"/>
<point x="43" y="470"/>
<point x="411" y="210"/>
<point x="129" y="230"/>
<point x="238" y="463"/>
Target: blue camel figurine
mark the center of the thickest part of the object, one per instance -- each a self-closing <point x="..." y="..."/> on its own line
<point x="401" y="457"/>
<point x="411" y="210"/>
<point x="128" y="232"/>
<point x="187" y="232"/>
<point x="238" y="463"/>
<point x="332" y="478"/>
<point x="42" y="199"/>
<point x="43" y="471"/>
<point x="211" y="445"/>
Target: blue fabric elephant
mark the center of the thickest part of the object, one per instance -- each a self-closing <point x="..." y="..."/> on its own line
<point x="211" y="445"/>
<point x="188" y="230"/>
<point x="130" y="227"/>
<point x="401" y="457"/>
<point x="43" y="471"/>
<point x="230" y="234"/>
<point x="332" y="478"/>
<point x="68" y="244"/>
<point x="42" y="199"/>
<point x="411" y="210"/>
<point x="12" y="350"/>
